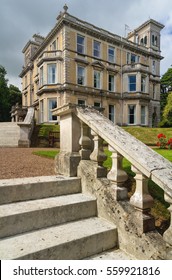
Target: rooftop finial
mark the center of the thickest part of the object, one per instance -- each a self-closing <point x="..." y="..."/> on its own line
<point x="65" y="8"/>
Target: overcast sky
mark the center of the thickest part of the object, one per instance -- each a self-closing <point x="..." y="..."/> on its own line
<point x="20" y="19"/>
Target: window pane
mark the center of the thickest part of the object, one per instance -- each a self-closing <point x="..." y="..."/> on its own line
<point x="51" y="73"/>
<point x="52" y="104"/>
<point x="81" y="102"/>
<point x="132" y="83"/>
<point x="41" y="76"/>
<point x="143" y="115"/>
<point x="96" y="79"/>
<point x="111" y="83"/>
<point x="96" y="50"/>
<point x="112" y="113"/>
<point x="81" y="75"/>
<point x="111" y="54"/>
<point x="80" y="44"/>
<point x="143" y="84"/>
<point x="131" y="114"/>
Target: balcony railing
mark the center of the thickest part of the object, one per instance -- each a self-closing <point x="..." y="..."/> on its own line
<point x="49" y="56"/>
<point x="135" y="67"/>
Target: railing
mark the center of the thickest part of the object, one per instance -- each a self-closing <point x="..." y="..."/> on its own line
<point x="146" y="163"/>
<point x="49" y="56"/>
<point x="135" y="67"/>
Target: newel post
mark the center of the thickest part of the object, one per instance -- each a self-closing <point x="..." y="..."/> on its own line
<point x="142" y="201"/>
<point x="117" y="176"/>
<point x="66" y="162"/>
<point x="167" y="236"/>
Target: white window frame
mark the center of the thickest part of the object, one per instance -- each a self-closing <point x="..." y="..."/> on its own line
<point x="143" y="83"/>
<point x="41" y="111"/>
<point x="129" y="114"/>
<point x="143" y="115"/>
<point x="80" y="45"/>
<point x="41" y="73"/>
<point x="96" y="49"/>
<point x="97" y="79"/>
<point x="111" y="57"/>
<point x="51" y="118"/>
<point x="111" y="114"/>
<point x="82" y="76"/>
<point x="52" y="73"/>
<point x="111" y="85"/>
<point x="130" y="84"/>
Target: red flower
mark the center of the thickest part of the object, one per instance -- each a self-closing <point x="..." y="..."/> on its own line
<point x="161" y="135"/>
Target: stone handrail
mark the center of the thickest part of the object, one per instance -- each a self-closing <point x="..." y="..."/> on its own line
<point x="150" y="163"/>
<point x="26" y="129"/>
<point x="82" y="126"/>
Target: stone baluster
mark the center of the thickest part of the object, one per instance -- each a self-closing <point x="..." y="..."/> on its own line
<point x="98" y="155"/>
<point x="117" y="176"/>
<point x="142" y="201"/>
<point x="167" y="236"/>
<point x="85" y="142"/>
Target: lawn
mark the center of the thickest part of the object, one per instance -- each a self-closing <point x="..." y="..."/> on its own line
<point x="48" y="154"/>
<point x="148" y="135"/>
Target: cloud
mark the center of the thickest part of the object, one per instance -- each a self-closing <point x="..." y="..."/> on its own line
<point x="21" y="19"/>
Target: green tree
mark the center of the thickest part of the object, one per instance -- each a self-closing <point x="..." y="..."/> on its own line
<point x="4" y="91"/>
<point x="166" y="86"/>
<point x="167" y="114"/>
<point x="15" y="95"/>
<point x="9" y="96"/>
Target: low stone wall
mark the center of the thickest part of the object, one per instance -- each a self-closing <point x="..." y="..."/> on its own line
<point x="148" y="245"/>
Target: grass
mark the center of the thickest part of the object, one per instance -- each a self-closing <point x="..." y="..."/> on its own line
<point x="47" y="154"/>
<point x="148" y="135"/>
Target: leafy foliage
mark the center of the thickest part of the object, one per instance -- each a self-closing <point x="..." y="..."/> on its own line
<point x="166" y="87"/>
<point x="9" y="96"/>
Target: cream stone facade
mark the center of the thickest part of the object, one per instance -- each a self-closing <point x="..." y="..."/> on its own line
<point x="83" y="64"/>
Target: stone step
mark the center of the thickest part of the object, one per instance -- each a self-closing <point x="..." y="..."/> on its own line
<point x="116" y="254"/>
<point x="13" y="190"/>
<point x="74" y="240"/>
<point x="9" y="134"/>
<point x="30" y="215"/>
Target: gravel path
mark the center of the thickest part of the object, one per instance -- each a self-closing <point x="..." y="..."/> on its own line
<point x="20" y="163"/>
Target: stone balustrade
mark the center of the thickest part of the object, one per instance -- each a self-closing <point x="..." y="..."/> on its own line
<point x="85" y="129"/>
<point x="26" y="129"/>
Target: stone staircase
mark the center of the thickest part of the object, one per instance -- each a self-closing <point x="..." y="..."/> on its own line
<point x="49" y="218"/>
<point x="9" y="134"/>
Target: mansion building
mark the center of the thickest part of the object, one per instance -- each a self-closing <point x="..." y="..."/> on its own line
<point x="80" y="63"/>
